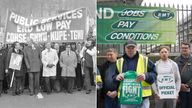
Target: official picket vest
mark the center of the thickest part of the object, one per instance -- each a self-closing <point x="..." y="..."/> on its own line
<point x="141" y="69"/>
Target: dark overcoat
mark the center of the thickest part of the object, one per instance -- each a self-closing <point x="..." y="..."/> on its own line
<point x="2" y="63"/>
<point x="20" y="72"/>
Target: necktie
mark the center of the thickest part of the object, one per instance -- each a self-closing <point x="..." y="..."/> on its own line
<point x="16" y="51"/>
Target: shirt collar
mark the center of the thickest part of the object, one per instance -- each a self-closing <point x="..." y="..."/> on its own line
<point x="16" y="50"/>
<point x="48" y="50"/>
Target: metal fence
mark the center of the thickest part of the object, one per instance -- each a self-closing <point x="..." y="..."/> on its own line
<point x="184" y="33"/>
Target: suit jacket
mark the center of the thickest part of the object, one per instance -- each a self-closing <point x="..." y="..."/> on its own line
<point x="33" y="58"/>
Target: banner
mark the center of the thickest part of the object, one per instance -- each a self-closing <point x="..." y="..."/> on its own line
<point x="147" y="25"/>
<point x="166" y="86"/>
<point x="15" y="61"/>
<point x="66" y="27"/>
<point x="2" y="34"/>
<point x="131" y="91"/>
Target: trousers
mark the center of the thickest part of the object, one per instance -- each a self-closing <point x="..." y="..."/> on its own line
<point x="185" y="99"/>
<point x="34" y="82"/>
<point x="144" y="104"/>
<point x="171" y="103"/>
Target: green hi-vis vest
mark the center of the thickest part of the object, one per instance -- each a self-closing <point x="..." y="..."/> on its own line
<point x="141" y="68"/>
<point x="99" y="82"/>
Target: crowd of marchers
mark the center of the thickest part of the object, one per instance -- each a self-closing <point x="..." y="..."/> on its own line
<point x="48" y="67"/>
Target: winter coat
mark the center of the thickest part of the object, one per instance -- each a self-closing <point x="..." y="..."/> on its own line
<point x="33" y="58"/>
<point x="90" y="57"/>
<point x="2" y="63"/>
<point x="68" y="63"/>
<point x="18" y="73"/>
<point x="49" y="57"/>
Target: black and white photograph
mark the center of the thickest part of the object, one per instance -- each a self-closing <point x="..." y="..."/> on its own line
<point x="48" y="53"/>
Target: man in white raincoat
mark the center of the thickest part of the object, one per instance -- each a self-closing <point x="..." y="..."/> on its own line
<point x="49" y="60"/>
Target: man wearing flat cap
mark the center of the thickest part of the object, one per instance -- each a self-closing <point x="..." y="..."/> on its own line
<point x="144" y="68"/>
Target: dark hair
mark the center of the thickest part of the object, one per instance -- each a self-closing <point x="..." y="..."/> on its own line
<point x="78" y="43"/>
<point x="14" y="44"/>
<point x="111" y="50"/>
<point x="90" y="39"/>
<point x="68" y="45"/>
<point x="166" y="47"/>
<point x="93" y="41"/>
<point x="186" y="43"/>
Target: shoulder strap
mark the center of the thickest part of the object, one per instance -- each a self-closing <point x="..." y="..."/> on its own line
<point x="172" y="66"/>
<point x="182" y="70"/>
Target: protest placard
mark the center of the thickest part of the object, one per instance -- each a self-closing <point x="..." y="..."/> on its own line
<point x="166" y="86"/>
<point x="15" y="61"/>
<point x="131" y="91"/>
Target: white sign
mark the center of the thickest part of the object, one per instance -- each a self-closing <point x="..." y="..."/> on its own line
<point x="16" y="61"/>
<point x="166" y="86"/>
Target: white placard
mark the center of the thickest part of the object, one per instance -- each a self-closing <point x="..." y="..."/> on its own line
<point x="15" y="61"/>
<point x="166" y="86"/>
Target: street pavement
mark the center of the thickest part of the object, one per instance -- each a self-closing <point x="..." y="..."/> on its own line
<point x="79" y="99"/>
